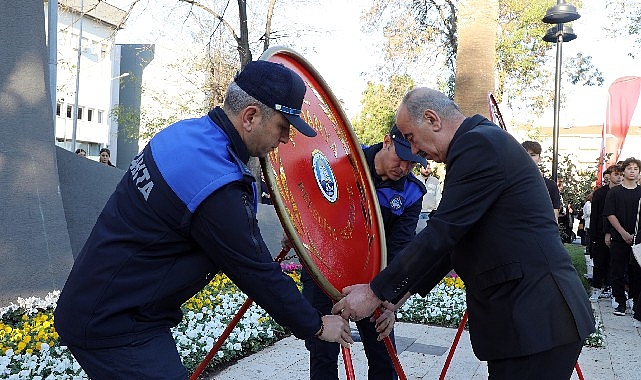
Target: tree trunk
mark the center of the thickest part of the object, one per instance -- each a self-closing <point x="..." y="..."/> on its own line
<point x="476" y="55"/>
<point x="244" y="53"/>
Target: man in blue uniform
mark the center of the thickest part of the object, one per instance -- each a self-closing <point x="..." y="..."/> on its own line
<point x="528" y="312"/>
<point x="399" y="194"/>
<point x="184" y="211"/>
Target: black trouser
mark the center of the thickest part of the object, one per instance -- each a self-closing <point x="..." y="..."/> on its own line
<point x="151" y="358"/>
<point x="323" y="356"/>
<point x="601" y="257"/>
<point x="621" y="265"/>
<point x="555" y="364"/>
<point x="634" y="273"/>
<point x="634" y="285"/>
<point x="585" y="240"/>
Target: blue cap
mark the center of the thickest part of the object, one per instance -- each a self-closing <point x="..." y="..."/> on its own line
<point x="277" y="87"/>
<point x="403" y="148"/>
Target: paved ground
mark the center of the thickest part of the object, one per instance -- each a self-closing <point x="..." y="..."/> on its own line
<point x="423" y="351"/>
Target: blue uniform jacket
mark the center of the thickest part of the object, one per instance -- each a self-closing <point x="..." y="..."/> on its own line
<point x="184" y="211"/>
<point x="400" y="204"/>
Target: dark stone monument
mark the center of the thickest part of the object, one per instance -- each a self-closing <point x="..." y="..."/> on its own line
<point x="85" y="186"/>
<point x="35" y="252"/>
<point x="45" y="216"/>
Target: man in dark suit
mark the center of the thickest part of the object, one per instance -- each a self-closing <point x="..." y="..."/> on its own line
<point x="528" y="312"/>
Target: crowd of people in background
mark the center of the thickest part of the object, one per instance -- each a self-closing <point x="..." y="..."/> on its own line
<point x="610" y="218"/>
<point x="608" y="222"/>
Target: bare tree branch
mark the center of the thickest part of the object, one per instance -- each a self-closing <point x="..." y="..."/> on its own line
<point x="216" y="15"/>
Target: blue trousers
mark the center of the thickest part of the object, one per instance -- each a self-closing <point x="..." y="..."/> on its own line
<point x="323" y="356"/>
<point x="154" y="358"/>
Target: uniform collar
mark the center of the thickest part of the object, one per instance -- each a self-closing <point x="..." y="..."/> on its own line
<point x="218" y="116"/>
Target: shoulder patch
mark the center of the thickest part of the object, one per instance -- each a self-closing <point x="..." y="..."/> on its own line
<point x="396" y="202"/>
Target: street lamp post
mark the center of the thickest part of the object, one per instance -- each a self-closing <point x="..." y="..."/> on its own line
<point x="75" y="105"/>
<point x="558" y="14"/>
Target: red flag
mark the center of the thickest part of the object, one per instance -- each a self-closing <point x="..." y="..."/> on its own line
<point x="623" y="96"/>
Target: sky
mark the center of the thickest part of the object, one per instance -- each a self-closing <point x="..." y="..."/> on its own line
<point x="331" y="39"/>
<point x="586" y="105"/>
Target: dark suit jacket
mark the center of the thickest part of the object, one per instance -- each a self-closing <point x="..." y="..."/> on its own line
<point x="495" y="226"/>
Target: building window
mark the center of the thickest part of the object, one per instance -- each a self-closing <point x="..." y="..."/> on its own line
<point x="69" y="111"/>
<point x="100" y="116"/>
<point x="90" y="114"/>
<point x="80" y="112"/>
<point x="58" y="106"/>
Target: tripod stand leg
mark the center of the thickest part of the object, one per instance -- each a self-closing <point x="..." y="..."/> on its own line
<point x="454" y="344"/>
<point x="219" y="343"/>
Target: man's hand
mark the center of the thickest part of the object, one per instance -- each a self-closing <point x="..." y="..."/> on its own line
<point x="627" y="237"/>
<point x="336" y="329"/>
<point x="285" y="243"/>
<point x="387" y="317"/>
<point x="384" y="322"/>
<point x="608" y="239"/>
<point x="359" y="302"/>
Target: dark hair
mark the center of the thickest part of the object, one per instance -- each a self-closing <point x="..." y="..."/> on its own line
<point x="109" y="153"/>
<point x="532" y="146"/>
<point x="79" y="150"/>
<point x="613" y="168"/>
<point x="628" y="161"/>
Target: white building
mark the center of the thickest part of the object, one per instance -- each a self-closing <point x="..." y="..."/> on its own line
<point x="99" y="68"/>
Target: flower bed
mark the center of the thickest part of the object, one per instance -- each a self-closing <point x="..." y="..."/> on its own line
<point x="29" y="343"/>
<point x="443" y="306"/>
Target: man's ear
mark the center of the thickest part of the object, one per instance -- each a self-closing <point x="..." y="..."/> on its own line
<point x="249" y="117"/>
<point x="433" y="119"/>
<point x="387" y="141"/>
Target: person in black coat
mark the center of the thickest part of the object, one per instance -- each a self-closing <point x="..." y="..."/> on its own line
<point x="528" y="312"/>
<point x="599" y="231"/>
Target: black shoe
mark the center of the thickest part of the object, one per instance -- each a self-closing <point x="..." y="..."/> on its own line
<point x="620" y="310"/>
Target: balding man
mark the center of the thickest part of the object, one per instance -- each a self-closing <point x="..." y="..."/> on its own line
<point x="528" y="312"/>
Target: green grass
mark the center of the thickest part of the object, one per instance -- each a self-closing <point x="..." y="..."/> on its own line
<point x="577" y="253"/>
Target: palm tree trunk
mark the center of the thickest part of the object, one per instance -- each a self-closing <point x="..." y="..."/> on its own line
<point x="476" y="54"/>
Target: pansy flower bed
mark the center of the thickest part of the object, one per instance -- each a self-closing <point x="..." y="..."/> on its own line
<point x="29" y="343"/>
<point x="443" y="306"/>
